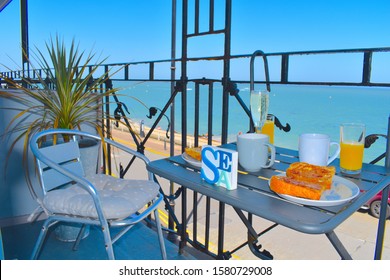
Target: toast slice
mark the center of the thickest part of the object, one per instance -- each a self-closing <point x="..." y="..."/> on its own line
<point x="293" y="187"/>
<point x="305" y="172"/>
<point x="195" y="152"/>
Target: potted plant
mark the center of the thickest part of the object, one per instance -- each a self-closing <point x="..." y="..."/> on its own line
<point x="67" y="93"/>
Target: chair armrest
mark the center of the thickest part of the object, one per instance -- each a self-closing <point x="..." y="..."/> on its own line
<point x="127" y="150"/>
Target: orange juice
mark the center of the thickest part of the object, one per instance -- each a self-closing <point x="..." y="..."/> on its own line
<point x="268" y="128"/>
<point x="351" y="156"/>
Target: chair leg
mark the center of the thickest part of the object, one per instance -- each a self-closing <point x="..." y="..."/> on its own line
<point x="108" y="242"/>
<point x="160" y="235"/>
<point x="79" y="237"/>
<point x="40" y="240"/>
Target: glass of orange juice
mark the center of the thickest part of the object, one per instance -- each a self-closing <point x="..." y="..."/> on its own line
<point x="352" y="147"/>
<point x="269" y="128"/>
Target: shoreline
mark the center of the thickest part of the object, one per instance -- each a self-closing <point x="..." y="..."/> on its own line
<point x="158" y="142"/>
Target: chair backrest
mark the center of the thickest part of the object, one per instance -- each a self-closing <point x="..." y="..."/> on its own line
<point x="67" y="155"/>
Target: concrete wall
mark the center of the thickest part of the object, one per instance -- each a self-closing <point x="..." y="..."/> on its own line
<point x="16" y="201"/>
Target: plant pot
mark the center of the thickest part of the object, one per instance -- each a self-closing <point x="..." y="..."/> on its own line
<point x="69" y="232"/>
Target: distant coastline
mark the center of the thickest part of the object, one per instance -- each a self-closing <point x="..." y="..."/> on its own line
<point x="160" y="135"/>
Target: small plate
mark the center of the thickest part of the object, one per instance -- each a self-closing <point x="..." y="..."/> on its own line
<point x="191" y="161"/>
<point x="341" y="191"/>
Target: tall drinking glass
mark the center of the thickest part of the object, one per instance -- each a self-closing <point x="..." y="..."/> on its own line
<point x="352" y="147"/>
<point x="259" y="102"/>
<point x="269" y="128"/>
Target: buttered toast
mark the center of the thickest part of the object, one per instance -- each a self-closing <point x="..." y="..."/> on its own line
<point x="286" y="185"/>
<point x="195" y="152"/>
<point x="304" y="180"/>
<point x="302" y="171"/>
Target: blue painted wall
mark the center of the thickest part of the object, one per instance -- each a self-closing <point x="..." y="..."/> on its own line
<point x="15" y="198"/>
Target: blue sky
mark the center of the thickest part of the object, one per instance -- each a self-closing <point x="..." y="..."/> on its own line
<point x="135" y="30"/>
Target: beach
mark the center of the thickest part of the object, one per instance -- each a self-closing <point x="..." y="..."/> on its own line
<point x="158" y="142"/>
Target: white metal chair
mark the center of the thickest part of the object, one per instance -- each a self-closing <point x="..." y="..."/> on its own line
<point x="99" y="199"/>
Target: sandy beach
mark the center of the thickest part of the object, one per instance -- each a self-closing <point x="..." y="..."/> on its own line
<point x="157" y="143"/>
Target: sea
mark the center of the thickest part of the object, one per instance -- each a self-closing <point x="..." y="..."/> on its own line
<point x="306" y="108"/>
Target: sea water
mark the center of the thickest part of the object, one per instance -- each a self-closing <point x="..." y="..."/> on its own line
<point x="307" y="109"/>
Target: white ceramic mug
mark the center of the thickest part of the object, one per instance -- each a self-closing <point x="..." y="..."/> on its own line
<point x="253" y="151"/>
<point x="314" y="149"/>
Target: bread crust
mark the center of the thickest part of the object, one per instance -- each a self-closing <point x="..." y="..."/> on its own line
<point x="290" y="186"/>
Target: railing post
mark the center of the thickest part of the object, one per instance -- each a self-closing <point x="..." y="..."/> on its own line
<point x="284" y="69"/>
<point x="127" y="72"/>
<point x="151" y="71"/>
<point x="367" y="60"/>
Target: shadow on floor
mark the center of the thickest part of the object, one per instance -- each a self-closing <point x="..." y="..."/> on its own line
<point x="140" y="243"/>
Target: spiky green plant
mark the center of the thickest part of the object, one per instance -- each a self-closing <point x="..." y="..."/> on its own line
<point x="74" y="100"/>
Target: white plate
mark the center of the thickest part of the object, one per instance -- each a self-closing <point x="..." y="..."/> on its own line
<point x="191" y="160"/>
<point x="341" y="191"/>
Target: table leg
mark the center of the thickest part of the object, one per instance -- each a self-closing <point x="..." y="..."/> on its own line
<point x="252" y="238"/>
<point x="221" y="231"/>
<point x="381" y="224"/>
<point x="338" y="246"/>
<point x="183" y="233"/>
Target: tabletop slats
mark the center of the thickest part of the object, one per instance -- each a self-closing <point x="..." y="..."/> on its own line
<point x="254" y="195"/>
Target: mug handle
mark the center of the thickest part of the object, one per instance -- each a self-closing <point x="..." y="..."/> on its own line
<point x="336" y="153"/>
<point x="273" y="153"/>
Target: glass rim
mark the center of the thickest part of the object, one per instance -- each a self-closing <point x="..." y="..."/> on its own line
<point x="315" y="135"/>
<point x="259" y="91"/>
<point x="353" y="124"/>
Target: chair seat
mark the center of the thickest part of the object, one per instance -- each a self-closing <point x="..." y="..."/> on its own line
<point x="120" y="198"/>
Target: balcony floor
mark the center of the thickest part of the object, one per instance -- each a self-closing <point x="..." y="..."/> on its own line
<point x="140" y="243"/>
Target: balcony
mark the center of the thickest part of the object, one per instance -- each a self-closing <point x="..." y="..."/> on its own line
<point x="203" y="110"/>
